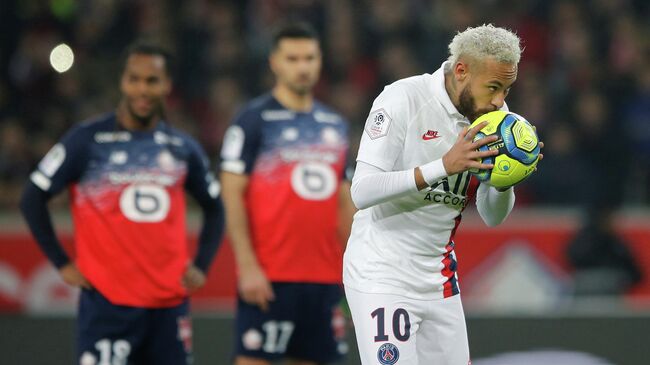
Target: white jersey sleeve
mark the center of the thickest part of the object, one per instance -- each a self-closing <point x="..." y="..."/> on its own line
<point x="382" y="142"/>
<point x="494" y="206"/>
<point x="372" y="185"/>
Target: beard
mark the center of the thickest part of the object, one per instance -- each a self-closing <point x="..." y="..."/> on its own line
<point x="467" y="105"/>
<point x="145" y="121"/>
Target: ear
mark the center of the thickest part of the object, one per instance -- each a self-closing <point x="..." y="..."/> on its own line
<point x="272" y="62"/>
<point x="461" y="70"/>
<point x="169" y="84"/>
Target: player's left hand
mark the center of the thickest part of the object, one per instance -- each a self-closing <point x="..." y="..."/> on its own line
<point x="193" y="278"/>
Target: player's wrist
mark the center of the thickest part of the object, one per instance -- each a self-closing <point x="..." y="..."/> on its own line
<point x="433" y="171"/>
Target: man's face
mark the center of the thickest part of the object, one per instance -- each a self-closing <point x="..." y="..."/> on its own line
<point x="296" y="64"/>
<point x="144" y="86"/>
<point x="485" y="87"/>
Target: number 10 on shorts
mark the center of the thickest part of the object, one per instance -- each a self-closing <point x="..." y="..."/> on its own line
<point x="401" y="324"/>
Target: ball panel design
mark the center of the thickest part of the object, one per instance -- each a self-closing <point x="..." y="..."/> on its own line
<point x="518" y="149"/>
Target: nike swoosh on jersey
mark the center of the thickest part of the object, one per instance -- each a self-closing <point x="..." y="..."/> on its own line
<point x="430" y="135"/>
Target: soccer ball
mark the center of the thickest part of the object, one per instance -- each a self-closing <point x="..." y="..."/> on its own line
<point x="518" y="147"/>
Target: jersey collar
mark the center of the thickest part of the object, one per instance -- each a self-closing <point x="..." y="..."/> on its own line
<point x="439" y="91"/>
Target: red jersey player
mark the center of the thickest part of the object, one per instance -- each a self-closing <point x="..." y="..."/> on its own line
<point x="127" y="173"/>
<point x="283" y="167"/>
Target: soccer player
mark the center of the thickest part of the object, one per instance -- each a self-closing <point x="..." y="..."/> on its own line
<point x="411" y="184"/>
<point x="283" y="162"/>
<point x="127" y="172"/>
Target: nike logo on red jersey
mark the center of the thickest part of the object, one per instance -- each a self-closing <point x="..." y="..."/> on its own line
<point x="430" y="135"/>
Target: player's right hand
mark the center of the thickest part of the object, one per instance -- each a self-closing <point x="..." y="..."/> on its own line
<point x="254" y="287"/>
<point x="463" y="155"/>
<point x="72" y="276"/>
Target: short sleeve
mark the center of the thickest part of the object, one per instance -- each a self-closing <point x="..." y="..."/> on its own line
<point x="64" y="163"/>
<point x="241" y="144"/>
<point x="382" y="140"/>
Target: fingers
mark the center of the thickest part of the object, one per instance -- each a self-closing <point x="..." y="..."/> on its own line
<point x="481" y="166"/>
<point x="484" y="141"/>
<point x="260" y="295"/>
<point x="263" y="297"/>
<point x="483" y="154"/>
<point x="85" y="283"/>
<point x="473" y="131"/>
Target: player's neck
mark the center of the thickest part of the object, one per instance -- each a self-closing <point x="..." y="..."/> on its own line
<point x="292" y="100"/>
<point x="129" y="122"/>
<point x="452" y="89"/>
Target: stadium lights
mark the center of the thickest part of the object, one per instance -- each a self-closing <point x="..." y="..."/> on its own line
<point x="61" y="58"/>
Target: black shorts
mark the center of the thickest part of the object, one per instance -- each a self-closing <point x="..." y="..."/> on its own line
<point x="303" y="322"/>
<point x="116" y="334"/>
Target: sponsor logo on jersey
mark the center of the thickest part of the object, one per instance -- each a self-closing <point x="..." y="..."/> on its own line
<point x="110" y="137"/>
<point x="290" y="134"/>
<point x="163" y="138"/>
<point x="388" y="354"/>
<point x="118" y="157"/>
<point x="119" y="178"/>
<point x="430" y="135"/>
<point x="166" y="161"/>
<point x="323" y="117"/>
<point x="330" y="136"/>
<point x="450" y="190"/>
<point x="275" y="115"/>
<point x="291" y="154"/>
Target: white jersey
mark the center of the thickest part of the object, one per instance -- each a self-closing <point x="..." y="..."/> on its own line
<point x="405" y="246"/>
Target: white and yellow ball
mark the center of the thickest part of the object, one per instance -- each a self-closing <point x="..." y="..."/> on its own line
<point x="518" y="147"/>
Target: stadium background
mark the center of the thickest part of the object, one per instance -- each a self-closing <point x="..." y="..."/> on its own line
<point x="584" y="81"/>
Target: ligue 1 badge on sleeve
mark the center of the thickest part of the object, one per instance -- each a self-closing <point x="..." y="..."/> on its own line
<point x="378" y="124"/>
<point x="388" y="354"/>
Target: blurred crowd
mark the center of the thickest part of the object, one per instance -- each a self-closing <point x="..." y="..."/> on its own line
<point x="584" y="79"/>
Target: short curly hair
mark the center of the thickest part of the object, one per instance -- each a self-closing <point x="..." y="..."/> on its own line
<point x="486" y="41"/>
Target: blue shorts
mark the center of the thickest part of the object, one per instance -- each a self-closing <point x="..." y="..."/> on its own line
<point x="116" y="334"/>
<point x="303" y="322"/>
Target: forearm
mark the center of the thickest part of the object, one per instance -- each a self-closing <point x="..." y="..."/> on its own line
<point x="211" y="234"/>
<point x="238" y="232"/>
<point x="346" y="210"/>
<point x="234" y="188"/>
<point x="371" y="185"/>
<point x="494" y="206"/>
<point x="33" y="205"/>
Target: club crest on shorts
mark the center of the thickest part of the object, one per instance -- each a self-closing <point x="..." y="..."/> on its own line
<point x="388" y="354"/>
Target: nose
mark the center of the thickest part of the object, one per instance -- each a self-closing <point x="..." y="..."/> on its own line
<point x="499" y="99"/>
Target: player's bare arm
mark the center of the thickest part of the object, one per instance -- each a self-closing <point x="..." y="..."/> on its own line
<point x="346" y="212"/>
<point x="72" y="276"/>
<point x="254" y="287"/>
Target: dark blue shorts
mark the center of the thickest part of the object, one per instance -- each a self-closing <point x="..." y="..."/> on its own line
<point x="115" y="334"/>
<point x="303" y="322"/>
